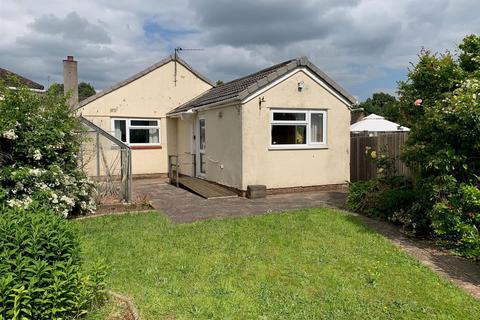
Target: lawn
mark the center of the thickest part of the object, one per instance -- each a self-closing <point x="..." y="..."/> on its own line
<point x="307" y="264"/>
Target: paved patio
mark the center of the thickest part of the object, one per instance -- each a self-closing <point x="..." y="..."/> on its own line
<point x="182" y="206"/>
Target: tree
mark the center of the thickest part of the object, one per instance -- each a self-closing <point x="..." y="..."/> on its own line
<point x="382" y="104"/>
<point x="219" y="83"/>
<point x="85" y="90"/>
<point x="445" y="141"/>
<point x="443" y="147"/>
<point x="435" y="77"/>
<point x="56" y="89"/>
<point x="431" y="79"/>
<point x="470" y="53"/>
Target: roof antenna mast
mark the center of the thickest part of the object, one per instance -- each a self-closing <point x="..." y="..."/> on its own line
<point x="177" y="50"/>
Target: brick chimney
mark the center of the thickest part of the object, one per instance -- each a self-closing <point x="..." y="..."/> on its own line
<point x="70" y="80"/>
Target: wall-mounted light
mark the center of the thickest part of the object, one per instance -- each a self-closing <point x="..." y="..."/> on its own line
<point x="300" y="86"/>
<point x="220" y="114"/>
<point x="260" y="101"/>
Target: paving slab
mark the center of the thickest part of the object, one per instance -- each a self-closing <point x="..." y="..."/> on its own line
<point x="182" y="206"/>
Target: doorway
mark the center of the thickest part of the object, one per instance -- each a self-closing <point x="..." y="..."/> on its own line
<point x="201" y="145"/>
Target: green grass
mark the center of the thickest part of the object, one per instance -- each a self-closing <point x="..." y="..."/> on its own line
<point x="307" y="264"/>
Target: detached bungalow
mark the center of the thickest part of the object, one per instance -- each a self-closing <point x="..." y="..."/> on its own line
<point x="287" y="126"/>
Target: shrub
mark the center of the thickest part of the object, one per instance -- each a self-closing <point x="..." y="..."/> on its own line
<point x="378" y="198"/>
<point x="40" y="268"/>
<point x="440" y="102"/>
<point x="444" y="146"/>
<point x="39" y="143"/>
<point x="392" y="201"/>
<point x="357" y="199"/>
<point x="456" y="219"/>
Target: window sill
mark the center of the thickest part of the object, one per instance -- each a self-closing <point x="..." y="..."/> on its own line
<point x="144" y="147"/>
<point x="293" y="147"/>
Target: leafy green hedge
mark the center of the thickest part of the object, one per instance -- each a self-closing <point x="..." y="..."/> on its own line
<point x="383" y="198"/>
<point x="40" y="268"/>
<point x="453" y="218"/>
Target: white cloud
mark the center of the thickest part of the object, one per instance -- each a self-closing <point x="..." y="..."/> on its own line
<point x="354" y="41"/>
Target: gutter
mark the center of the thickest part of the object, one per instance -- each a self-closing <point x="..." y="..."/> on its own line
<point x="31" y="89"/>
<point x="215" y="105"/>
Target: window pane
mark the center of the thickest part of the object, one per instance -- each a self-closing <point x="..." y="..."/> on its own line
<point x="316" y="134"/>
<point x="150" y="123"/>
<point x="202" y="163"/>
<point x="289" y="134"/>
<point x="289" y="116"/>
<point x="120" y="130"/>
<point x="202" y="134"/>
<point x="144" y="136"/>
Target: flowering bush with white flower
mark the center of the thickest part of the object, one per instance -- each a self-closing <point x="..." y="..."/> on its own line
<point x="39" y="143"/>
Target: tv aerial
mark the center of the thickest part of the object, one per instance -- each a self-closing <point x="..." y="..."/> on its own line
<point x="176" y="51"/>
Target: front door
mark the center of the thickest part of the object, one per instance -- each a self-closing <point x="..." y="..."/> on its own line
<point x="201" y="144"/>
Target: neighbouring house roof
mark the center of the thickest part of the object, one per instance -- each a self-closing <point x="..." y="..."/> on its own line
<point x="239" y="89"/>
<point x="6" y="76"/>
<point x="141" y="74"/>
<point x="376" y="123"/>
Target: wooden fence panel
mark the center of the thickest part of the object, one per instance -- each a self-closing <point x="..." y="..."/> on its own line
<point x="362" y="167"/>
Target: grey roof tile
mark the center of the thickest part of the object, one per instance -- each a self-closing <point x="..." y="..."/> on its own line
<point x="239" y="89"/>
<point x="7" y="75"/>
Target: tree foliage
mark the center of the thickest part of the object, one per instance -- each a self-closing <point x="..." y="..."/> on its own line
<point x="446" y="140"/>
<point x="382" y="104"/>
<point x="440" y="102"/>
<point x="39" y="141"/>
<point x="85" y="90"/>
<point x="443" y="147"/>
<point x="431" y="79"/>
<point x="470" y="54"/>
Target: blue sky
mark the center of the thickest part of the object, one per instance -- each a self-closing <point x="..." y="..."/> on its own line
<point x="365" y="45"/>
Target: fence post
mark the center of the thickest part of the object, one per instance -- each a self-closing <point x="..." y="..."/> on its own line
<point x="129" y="173"/>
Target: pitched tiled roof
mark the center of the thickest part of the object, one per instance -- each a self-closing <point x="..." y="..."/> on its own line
<point x="6" y="76"/>
<point x="141" y="74"/>
<point x="239" y="89"/>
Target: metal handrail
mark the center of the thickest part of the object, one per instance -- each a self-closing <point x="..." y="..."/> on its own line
<point x="170" y="169"/>
<point x="174" y="163"/>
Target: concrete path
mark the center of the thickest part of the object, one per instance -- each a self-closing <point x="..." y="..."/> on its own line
<point x="182" y="206"/>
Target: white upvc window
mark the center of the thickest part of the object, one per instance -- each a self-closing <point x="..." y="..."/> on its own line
<point x="298" y="129"/>
<point x="137" y="132"/>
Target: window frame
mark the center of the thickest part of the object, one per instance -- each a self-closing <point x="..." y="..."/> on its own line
<point x="128" y="126"/>
<point x="309" y="143"/>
